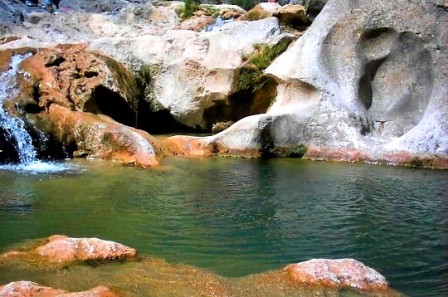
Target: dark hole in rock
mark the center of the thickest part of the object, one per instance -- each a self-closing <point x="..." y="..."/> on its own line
<point x="46" y="146"/>
<point x="242" y="104"/>
<point x="56" y="61"/>
<point x="33" y="108"/>
<point x="110" y="103"/>
<point x="365" y="82"/>
<point x="159" y="122"/>
<point x="90" y="74"/>
<point x="377" y="32"/>
<point x="36" y="94"/>
<point x="8" y="152"/>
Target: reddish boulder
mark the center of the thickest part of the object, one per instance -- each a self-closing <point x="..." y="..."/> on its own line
<point x="99" y="136"/>
<point x="65" y="249"/>
<point x="27" y="289"/>
<point x="337" y="274"/>
<point x="30" y="289"/>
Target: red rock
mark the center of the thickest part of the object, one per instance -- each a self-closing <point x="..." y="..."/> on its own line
<point x="66" y="249"/>
<point x="338" y="274"/>
<point x="100" y="137"/>
<point x="30" y="289"/>
<point x="27" y="289"/>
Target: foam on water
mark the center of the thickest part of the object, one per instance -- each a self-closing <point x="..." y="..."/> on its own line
<point x="37" y="167"/>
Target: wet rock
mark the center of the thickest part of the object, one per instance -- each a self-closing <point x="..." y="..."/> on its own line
<point x="67" y="249"/>
<point x="337" y="273"/>
<point x="88" y="135"/>
<point x="86" y="103"/>
<point x="31" y="289"/>
<point x="28" y="289"/>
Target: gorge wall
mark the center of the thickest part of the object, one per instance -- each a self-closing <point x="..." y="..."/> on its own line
<point x="366" y="82"/>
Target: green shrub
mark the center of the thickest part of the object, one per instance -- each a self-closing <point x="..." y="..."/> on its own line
<point x="188" y="10"/>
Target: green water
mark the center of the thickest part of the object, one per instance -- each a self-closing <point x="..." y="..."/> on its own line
<point x="237" y="217"/>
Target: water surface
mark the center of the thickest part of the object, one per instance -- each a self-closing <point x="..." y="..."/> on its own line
<point x="237" y="217"/>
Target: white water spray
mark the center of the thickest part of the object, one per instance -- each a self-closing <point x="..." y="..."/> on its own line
<point x="14" y="128"/>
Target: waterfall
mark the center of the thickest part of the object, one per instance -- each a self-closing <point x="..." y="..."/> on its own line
<point x="14" y="128"/>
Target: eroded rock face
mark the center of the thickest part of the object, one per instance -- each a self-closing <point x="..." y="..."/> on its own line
<point x="198" y="71"/>
<point x="31" y="289"/>
<point x="85" y="102"/>
<point x="80" y="80"/>
<point x="365" y="77"/>
<point x="337" y="273"/>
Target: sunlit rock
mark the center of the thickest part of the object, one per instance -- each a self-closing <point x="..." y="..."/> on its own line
<point x="263" y="10"/>
<point x="31" y="289"/>
<point x="28" y="289"/>
<point x="66" y="249"/>
<point x="87" y="103"/>
<point x="358" y="80"/>
<point x="337" y="273"/>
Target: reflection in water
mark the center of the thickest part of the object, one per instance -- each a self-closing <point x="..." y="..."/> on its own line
<point x="15" y="197"/>
<point x="236" y="216"/>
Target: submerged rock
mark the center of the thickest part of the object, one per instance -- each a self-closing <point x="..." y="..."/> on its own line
<point x="66" y="249"/>
<point x="337" y="273"/>
<point x="62" y="249"/>
<point x="31" y="289"/>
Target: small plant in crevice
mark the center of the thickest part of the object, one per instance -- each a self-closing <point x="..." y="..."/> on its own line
<point x="188" y="10"/>
<point x="145" y="76"/>
<point x="251" y="73"/>
<point x="297" y="151"/>
<point x="265" y="54"/>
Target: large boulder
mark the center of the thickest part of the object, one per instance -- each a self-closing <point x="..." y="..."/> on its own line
<point x="31" y="289"/>
<point x="337" y="273"/>
<point x="63" y="249"/>
<point x="366" y="77"/>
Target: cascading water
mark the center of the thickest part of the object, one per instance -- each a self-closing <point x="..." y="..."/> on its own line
<point x="14" y="128"/>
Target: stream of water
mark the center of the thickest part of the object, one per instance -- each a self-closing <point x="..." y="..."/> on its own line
<point x="237" y="217"/>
